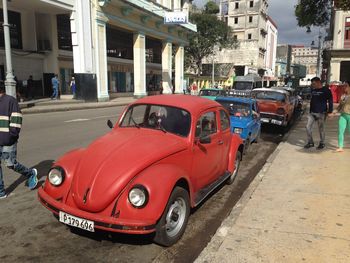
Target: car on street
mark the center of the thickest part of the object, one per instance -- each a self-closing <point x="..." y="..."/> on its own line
<point x="244" y="115"/>
<point x="276" y="106"/>
<point x="211" y="93"/>
<point x="164" y="156"/>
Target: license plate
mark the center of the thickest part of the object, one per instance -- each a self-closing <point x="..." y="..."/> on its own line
<point x="76" y="221"/>
<point x="276" y="122"/>
<point x="264" y="120"/>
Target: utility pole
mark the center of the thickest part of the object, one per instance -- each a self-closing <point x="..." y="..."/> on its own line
<point x="212" y="74"/>
<point x="10" y="82"/>
<point x="319" y="57"/>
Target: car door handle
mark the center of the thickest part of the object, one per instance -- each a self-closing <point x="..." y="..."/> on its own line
<point x="220" y="142"/>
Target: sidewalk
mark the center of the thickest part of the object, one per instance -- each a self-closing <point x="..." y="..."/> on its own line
<point x="67" y="103"/>
<point x="296" y="210"/>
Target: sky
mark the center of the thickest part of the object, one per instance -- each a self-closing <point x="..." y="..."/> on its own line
<point x="282" y="12"/>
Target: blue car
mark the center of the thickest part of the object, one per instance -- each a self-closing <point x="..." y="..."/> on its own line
<point x="244" y="116"/>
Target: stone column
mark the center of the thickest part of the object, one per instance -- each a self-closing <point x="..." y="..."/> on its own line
<point x="334" y="74"/>
<point x="179" y="69"/>
<point x="139" y="65"/>
<point x="51" y="61"/>
<point x="167" y="68"/>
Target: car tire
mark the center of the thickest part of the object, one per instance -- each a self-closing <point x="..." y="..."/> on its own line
<point x="247" y="145"/>
<point x="173" y="221"/>
<point x="233" y="175"/>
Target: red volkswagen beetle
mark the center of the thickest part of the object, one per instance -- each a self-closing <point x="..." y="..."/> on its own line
<point x="165" y="155"/>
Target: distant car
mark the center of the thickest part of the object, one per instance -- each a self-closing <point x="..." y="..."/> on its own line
<point x="276" y="106"/>
<point x="165" y="155"/>
<point x="244" y="115"/>
<point x="211" y="93"/>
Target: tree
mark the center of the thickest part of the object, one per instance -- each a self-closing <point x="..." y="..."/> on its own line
<point x="211" y="33"/>
<point x="317" y="12"/>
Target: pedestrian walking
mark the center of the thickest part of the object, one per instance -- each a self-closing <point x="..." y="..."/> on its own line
<point x="10" y="126"/>
<point x="344" y="119"/>
<point x="72" y="87"/>
<point x="55" y="83"/>
<point x="30" y="87"/>
<point x="321" y="105"/>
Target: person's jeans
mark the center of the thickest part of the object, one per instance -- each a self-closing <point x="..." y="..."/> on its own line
<point x="320" y="118"/>
<point x="344" y="121"/>
<point x="8" y="154"/>
<point x="55" y="92"/>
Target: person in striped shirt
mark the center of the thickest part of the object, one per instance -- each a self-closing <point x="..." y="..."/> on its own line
<point x="10" y="127"/>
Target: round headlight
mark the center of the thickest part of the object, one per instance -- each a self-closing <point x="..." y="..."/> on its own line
<point x="56" y="176"/>
<point x="138" y="196"/>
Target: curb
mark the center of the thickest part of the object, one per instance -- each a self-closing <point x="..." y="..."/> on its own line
<point x="229" y="222"/>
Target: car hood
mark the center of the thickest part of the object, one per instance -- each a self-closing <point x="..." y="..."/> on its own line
<point x="110" y="163"/>
<point x="239" y="122"/>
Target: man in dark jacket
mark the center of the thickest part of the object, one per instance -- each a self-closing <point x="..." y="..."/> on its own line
<point x="10" y="126"/>
<point x="321" y="105"/>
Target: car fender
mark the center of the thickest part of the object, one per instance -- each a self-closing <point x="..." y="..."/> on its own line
<point x="68" y="162"/>
<point x="236" y="145"/>
<point x="159" y="180"/>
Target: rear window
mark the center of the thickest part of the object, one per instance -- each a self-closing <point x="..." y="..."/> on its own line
<point x="269" y="95"/>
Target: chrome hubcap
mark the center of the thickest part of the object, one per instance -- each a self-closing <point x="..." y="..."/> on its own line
<point x="175" y="217"/>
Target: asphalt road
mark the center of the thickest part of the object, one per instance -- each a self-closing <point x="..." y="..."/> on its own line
<point x="30" y="233"/>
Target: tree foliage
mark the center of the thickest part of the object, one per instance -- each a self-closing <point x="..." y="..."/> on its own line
<point x="317" y="12"/>
<point x="211" y="8"/>
<point x="211" y="33"/>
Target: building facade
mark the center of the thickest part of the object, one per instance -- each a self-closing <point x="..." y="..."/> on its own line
<point x="271" y="48"/>
<point x="112" y="46"/>
<point x="305" y="56"/>
<point x="339" y="53"/>
<point x="248" y="20"/>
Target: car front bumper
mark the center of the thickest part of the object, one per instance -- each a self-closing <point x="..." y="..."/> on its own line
<point x="107" y="223"/>
<point x="273" y="119"/>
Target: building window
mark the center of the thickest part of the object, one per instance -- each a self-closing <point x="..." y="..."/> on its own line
<point x="250" y="19"/>
<point x="251" y="3"/>
<point x="347" y="33"/>
<point x="64" y="34"/>
<point x="119" y="43"/>
<point x="236" y="20"/>
<point x="249" y="36"/>
<point x="235" y="37"/>
<point x="14" y="19"/>
<point x="236" y="5"/>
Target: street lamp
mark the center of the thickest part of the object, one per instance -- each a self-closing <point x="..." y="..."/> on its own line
<point x="10" y="82"/>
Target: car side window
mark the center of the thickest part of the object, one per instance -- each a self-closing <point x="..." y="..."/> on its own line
<point x="224" y="120"/>
<point x="206" y="125"/>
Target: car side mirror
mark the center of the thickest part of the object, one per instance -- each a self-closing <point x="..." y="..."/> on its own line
<point x="110" y="124"/>
<point x="205" y="139"/>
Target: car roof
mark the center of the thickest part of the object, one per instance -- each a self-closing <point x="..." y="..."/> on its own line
<point x="274" y="90"/>
<point x="190" y="103"/>
<point x="236" y="99"/>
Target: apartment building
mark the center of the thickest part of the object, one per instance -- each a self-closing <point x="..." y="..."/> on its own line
<point x="306" y="56"/>
<point x="249" y="22"/>
<point x="111" y="46"/>
<point x="338" y="55"/>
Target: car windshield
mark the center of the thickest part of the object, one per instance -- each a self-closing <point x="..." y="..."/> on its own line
<point x="235" y="108"/>
<point x="242" y="85"/>
<point x="158" y="117"/>
<point x="206" y="92"/>
<point x="269" y="95"/>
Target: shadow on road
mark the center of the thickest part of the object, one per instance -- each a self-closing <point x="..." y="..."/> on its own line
<point x="42" y="167"/>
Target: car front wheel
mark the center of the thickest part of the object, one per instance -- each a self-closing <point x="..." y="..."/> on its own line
<point x="235" y="171"/>
<point x="172" y="224"/>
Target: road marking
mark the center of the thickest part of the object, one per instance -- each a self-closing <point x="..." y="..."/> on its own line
<point x="95" y="118"/>
<point x="77" y="120"/>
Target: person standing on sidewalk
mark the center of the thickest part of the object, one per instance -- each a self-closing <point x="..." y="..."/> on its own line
<point x="321" y="105"/>
<point x="72" y="86"/>
<point x="55" y="83"/>
<point x="10" y="126"/>
<point x="344" y="119"/>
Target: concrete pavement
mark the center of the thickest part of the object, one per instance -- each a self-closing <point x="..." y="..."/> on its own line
<point x="296" y="210"/>
<point x="67" y="103"/>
